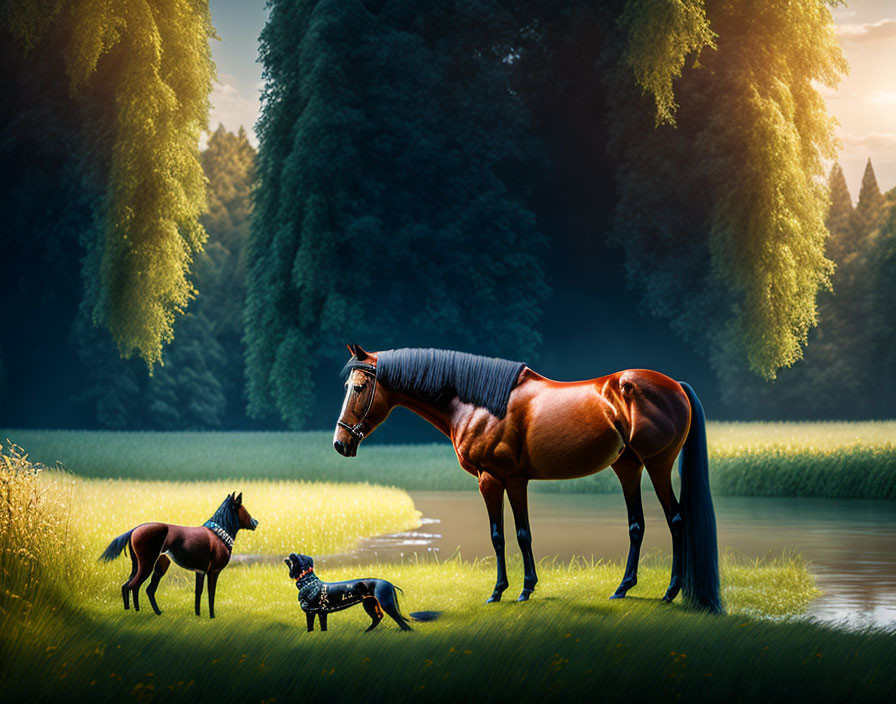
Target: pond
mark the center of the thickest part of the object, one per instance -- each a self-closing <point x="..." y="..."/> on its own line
<point x="850" y="545"/>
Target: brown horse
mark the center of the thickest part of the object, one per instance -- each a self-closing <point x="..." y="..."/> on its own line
<point x="509" y="425"/>
<point x="204" y="550"/>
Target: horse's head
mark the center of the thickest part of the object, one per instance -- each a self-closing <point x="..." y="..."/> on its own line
<point x="242" y="515"/>
<point x="365" y="405"/>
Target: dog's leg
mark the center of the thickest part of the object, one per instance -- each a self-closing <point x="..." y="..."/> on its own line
<point x="372" y="607"/>
<point x="323" y="620"/>
<point x="385" y="595"/>
<point x="200" y="577"/>
<point x="309" y="619"/>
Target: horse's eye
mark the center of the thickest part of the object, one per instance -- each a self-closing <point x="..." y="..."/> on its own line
<point x="359" y="387"/>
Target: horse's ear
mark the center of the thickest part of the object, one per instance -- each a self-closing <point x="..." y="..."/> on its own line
<point x="358" y="352"/>
<point x="239" y="499"/>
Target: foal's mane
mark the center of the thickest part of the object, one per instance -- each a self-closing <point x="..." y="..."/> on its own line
<point x="226" y="517"/>
<point x="437" y="375"/>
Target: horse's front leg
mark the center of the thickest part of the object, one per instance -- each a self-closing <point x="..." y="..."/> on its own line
<point x="212" y="583"/>
<point x="516" y="492"/>
<point x="200" y="577"/>
<point x="493" y="492"/>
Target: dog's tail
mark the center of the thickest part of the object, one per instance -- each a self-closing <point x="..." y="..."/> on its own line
<point x="395" y="591"/>
<point x="417" y="615"/>
<point x="116" y="546"/>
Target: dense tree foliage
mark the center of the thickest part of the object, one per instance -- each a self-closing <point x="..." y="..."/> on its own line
<point x="661" y="36"/>
<point x="846" y="371"/>
<point x="721" y="216"/>
<point x="138" y="73"/>
<point x="415" y="162"/>
<point x="389" y="206"/>
<point x="200" y="383"/>
<point x="721" y="219"/>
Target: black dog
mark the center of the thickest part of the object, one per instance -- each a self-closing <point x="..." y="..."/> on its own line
<point x="319" y="598"/>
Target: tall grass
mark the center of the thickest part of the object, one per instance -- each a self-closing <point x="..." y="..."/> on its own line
<point x="832" y="460"/>
<point x="34" y="534"/>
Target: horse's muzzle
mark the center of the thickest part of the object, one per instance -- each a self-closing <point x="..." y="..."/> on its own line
<point x="345" y="449"/>
<point x="254" y="525"/>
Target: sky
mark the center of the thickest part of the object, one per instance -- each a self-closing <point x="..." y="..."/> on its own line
<point x="864" y="103"/>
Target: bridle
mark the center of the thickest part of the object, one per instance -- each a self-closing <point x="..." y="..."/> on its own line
<point x="355" y="429"/>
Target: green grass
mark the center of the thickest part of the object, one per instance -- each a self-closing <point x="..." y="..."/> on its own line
<point x="569" y="641"/>
<point x="65" y="634"/>
<point x="824" y="460"/>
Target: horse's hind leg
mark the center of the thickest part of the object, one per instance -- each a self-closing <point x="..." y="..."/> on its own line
<point x="125" y="588"/>
<point x="516" y="492"/>
<point x="628" y="468"/>
<point x="372" y="607"/>
<point x="147" y="544"/>
<point x="158" y="572"/>
<point x="493" y="493"/>
<point x="661" y="476"/>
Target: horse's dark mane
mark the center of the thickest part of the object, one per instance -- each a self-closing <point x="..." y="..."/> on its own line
<point x="226" y="517"/>
<point x="437" y="375"/>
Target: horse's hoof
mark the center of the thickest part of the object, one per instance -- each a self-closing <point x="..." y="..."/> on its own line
<point x="667" y="599"/>
<point x="524" y="596"/>
<point x="493" y="599"/>
<point x="618" y="595"/>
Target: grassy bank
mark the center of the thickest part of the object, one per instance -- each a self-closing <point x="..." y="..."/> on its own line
<point x="824" y="460"/>
<point x="567" y="642"/>
<point x="63" y="631"/>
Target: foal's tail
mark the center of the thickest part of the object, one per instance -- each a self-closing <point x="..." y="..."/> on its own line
<point x="116" y="546"/>
<point x="700" y="550"/>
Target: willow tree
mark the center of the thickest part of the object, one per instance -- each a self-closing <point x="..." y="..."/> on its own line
<point x="722" y="217"/>
<point x="139" y="73"/>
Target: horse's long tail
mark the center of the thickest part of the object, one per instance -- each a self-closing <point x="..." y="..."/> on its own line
<point x="700" y="550"/>
<point x="116" y="546"/>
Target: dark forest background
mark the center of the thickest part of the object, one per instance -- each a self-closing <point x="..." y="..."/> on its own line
<point x="486" y="177"/>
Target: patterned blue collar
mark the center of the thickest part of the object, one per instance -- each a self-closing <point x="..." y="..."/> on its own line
<point x="225" y="537"/>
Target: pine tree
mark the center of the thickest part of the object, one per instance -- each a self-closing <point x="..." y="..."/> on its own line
<point x="841" y="241"/>
<point x="229" y="166"/>
<point x="881" y="322"/>
<point x="870" y="210"/>
<point x="185" y="393"/>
